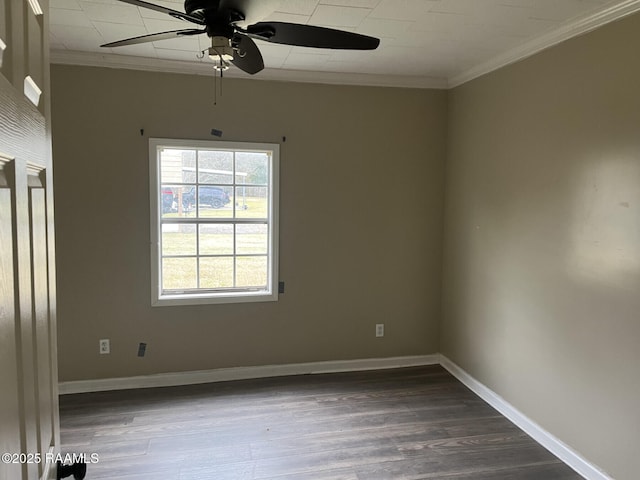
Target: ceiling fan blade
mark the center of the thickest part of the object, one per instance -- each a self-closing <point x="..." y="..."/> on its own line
<point x="311" y="36"/>
<point x="153" y="37"/>
<point x="247" y="56"/>
<point x="168" y="11"/>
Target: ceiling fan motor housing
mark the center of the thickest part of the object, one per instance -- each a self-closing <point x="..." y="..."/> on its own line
<point x="218" y="22"/>
<point x="193" y="7"/>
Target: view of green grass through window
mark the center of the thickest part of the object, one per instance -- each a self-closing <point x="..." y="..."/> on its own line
<point x="215" y="218"/>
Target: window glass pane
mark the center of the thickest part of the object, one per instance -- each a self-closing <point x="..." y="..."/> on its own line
<point x="216" y="272"/>
<point x="216" y="239"/>
<point x="177" y="166"/>
<point x="176" y="201"/>
<point x="167" y="201"/>
<point x="251" y="239"/>
<point x="251" y="271"/>
<point x="184" y="201"/>
<point x="214" y="202"/>
<point x="251" y="202"/>
<point x="178" y="273"/>
<point x="178" y="239"/>
<point x="252" y="168"/>
<point x="215" y="166"/>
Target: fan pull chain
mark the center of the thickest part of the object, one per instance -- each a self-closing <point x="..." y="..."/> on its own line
<point x="215" y="87"/>
<point x="215" y="80"/>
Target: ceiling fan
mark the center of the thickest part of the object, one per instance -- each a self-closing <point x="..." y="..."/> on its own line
<point x="232" y="43"/>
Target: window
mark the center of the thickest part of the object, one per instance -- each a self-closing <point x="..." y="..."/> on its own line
<point x="214" y="227"/>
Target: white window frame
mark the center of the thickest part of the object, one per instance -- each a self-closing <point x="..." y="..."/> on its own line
<point x="158" y="298"/>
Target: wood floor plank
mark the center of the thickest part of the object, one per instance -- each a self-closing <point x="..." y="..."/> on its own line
<point x="405" y="424"/>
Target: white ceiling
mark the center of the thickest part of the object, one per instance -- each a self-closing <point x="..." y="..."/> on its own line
<point x="424" y="43"/>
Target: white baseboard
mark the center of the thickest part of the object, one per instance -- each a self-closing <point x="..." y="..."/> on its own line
<point x="243" y="373"/>
<point x="565" y="453"/>
<point x="561" y="450"/>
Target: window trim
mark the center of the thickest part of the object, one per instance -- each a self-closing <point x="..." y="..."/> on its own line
<point x="218" y="297"/>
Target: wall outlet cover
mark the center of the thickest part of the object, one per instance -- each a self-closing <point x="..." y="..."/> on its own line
<point x="104" y="346"/>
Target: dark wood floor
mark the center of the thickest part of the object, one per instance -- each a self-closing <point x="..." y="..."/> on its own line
<point x="413" y="423"/>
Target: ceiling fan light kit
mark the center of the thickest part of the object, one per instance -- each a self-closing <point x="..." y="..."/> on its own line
<point x="232" y="44"/>
<point x="221" y="53"/>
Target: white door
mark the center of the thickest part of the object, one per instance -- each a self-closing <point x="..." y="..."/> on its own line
<point x="29" y="425"/>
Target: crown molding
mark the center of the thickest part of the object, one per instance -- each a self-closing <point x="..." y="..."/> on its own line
<point x="92" y="59"/>
<point x="361" y="79"/>
<point x="565" y="32"/>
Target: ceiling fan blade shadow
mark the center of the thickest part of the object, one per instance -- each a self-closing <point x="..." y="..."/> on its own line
<point x="159" y="8"/>
<point x="247" y="57"/>
<point x="311" y="36"/>
<point x="153" y="37"/>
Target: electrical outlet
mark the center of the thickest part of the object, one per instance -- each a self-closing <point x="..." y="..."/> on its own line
<point x="379" y="329"/>
<point x="105" y="346"/>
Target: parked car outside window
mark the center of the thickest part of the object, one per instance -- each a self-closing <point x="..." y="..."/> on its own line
<point x="214" y="197"/>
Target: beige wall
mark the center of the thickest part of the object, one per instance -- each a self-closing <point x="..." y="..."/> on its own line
<point x="360" y="229"/>
<point x="542" y="266"/>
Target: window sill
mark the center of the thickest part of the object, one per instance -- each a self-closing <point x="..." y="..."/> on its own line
<point x="208" y="299"/>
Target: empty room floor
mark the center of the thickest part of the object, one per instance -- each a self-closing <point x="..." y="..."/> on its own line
<point x="410" y="423"/>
